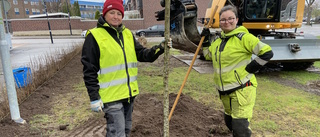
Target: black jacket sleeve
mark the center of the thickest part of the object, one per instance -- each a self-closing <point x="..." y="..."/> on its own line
<point x="147" y="55"/>
<point x="254" y="66"/>
<point x="90" y="60"/>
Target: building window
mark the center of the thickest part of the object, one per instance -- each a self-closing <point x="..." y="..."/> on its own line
<point x="38" y="11"/>
<point x="34" y="11"/>
<point x="82" y="6"/>
<point x="27" y="11"/>
<point x="32" y="2"/>
<point x="37" y="3"/>
<point x="15" y="2"/>
<point x="26" y="2"/>
<point x="16" y="11"/>
<point x="90" y="7"/>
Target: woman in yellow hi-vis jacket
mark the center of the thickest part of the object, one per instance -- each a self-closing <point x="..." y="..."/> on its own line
<point x="109" y="56"/>
<point x="233" y="69"/>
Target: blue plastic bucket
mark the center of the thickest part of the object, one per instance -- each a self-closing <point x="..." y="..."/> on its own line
<point x="22" y="76"/>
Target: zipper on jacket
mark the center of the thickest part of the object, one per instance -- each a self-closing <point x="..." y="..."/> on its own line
<point x="221" y="48"/>
<point x="126" y="64"/>
<point x="215" y="54"/>
<point x="237" y="77"/>
<point x="222" y="88"/>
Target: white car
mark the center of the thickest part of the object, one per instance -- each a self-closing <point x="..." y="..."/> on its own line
<point x="83" y="34"/>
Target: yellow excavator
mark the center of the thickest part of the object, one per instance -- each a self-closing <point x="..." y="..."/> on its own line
<point x="265" y="19"/>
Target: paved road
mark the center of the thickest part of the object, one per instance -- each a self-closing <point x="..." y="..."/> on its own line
<point x="307" y="29"/>
<point x="25" y="49"/>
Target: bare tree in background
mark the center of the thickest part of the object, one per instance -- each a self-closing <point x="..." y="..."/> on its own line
<point x="316" y="11"/>
<point x="309" y="10"/>
<point x="53" y="6"/>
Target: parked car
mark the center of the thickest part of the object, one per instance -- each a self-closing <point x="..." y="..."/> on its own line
<point x="317" y="20"/>
<point x="156" y="30"/>
<point x="83" y="34"/>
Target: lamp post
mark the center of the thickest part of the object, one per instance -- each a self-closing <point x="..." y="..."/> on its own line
<point x="6" y="6"/>
<point x="69" y="18"/>
<point x="8" y="76"/>
<point x="5" y="14"/>
<point x="45" y="6"/>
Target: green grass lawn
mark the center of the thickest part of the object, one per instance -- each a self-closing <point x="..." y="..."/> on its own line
<point x="317" y="64"/>
<point x="285" y="111"/>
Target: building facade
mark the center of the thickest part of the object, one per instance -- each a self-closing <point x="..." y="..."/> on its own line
<point x="24" y="8"/>
<point x="149" y="8"/>
<point x="134" y="7"/>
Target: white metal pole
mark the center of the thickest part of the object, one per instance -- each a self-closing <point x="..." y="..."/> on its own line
<point x="5" y="14"/>
<point x="8" y="35"/>
<point x="8" y="75"/>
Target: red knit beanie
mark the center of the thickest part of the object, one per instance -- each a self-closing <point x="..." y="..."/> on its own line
<point x="113" y="4"/>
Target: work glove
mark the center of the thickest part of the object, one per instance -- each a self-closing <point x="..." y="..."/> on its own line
<point x="205" y="32"/>
<point x="253" y="67"/>
<point x="96" y="105"/>
<point x="169" y="44"/>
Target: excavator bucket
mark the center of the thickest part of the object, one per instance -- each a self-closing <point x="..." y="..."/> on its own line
<point x="183" y="24"/>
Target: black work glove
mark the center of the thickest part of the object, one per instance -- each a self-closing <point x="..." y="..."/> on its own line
<point x="205" y="32"/>
<point x="253" y="67"/>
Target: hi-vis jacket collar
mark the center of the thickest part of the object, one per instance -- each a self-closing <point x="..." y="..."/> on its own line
<point x="103" y="23"/>
<point x="237" y="30"/>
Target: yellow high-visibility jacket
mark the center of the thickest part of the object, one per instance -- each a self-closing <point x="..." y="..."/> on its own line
<point x="231" y="57"/>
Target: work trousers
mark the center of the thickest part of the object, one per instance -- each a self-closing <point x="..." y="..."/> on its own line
<point x="238" y="108"/>
<point x="119" y="118"/>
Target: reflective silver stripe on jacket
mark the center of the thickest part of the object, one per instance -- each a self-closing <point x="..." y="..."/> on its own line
<point x="232" y="67"/>
<point x="258" y="48"/>
<point x="206" y="52"/>
<point x="236" y="84"/>
<point x="117" y="82"/>
<point x="118" y="67"/>
<point x="260" y="61"/>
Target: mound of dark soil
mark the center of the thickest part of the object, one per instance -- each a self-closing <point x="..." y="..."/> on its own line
<point x="190" y="118"/>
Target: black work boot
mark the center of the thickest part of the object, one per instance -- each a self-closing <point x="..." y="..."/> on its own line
<point x="228" y="121"/>
<point x="240" y="128"/>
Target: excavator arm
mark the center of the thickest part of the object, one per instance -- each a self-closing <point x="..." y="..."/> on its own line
<point x="183" y="23"/>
